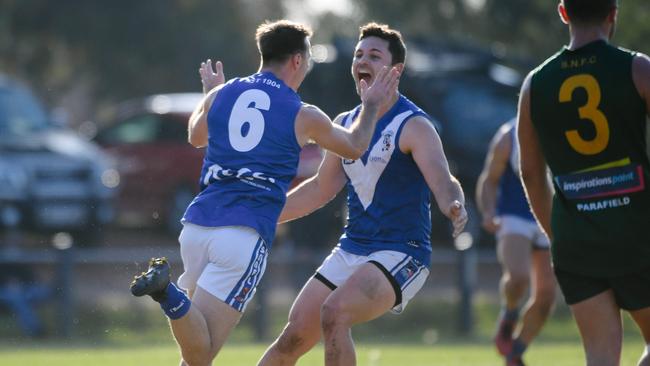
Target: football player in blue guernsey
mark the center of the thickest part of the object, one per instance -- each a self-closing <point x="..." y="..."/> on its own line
<point x="254" y="128"/>
<point x="522" y="246"/>
<point x="383" y="257"/>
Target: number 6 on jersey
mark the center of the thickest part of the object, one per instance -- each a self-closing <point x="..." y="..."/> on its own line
<point x="243" y="113"/>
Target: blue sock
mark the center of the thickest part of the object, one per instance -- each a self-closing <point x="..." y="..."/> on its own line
<point x="518" y="348"/>
<point x="510" y="315"/>
<point x="176" y="304"/>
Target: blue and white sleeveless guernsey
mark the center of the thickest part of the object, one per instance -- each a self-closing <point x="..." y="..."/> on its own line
<point x="251" y="158"/>
<point x="388" y="198"/>
<point x="511" y="198"/>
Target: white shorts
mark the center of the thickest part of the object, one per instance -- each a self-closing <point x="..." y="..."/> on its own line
<point x="511" y="224"/>
<point x="407" y="275"/>
<point x="227" y="262"/>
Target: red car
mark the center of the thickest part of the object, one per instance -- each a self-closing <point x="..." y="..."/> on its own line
<point x="159" y="170"/>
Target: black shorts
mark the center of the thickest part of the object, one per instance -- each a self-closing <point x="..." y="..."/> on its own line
<point x="631" y="291"/>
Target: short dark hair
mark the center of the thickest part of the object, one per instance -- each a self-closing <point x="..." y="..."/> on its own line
<point x="589" y="11"/>
<point x="279" y="40"/>
<point x="396" y="45"/>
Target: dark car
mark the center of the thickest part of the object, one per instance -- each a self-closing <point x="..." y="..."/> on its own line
<point x="159" y="169"/>
<point x="51" y="180"/>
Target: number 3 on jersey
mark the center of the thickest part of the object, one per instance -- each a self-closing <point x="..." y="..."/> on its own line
<point x="589" y="111"/>
<point x="243" y="113"/>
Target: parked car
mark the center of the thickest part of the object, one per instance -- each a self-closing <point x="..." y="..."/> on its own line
<point x="51" y="180"/>
<point x="159" y="169"/>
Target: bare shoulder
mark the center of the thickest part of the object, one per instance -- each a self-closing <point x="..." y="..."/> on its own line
<point x="641" y="74"/>
<point x="525" y="85"/>
<point x="503" y="136"/>
<point x="419" y="124"/>
<point x="641" y="63"/>
<point x="418" y="130"/>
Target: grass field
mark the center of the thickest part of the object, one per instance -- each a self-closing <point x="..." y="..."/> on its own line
<point x="424" y="335"/>
<point x="565" y="354"/>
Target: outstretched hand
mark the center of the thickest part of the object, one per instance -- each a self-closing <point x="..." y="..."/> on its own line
<point x="211" y="78"/>
<point x="458" y="216"/>
<point x="381" y="90"/>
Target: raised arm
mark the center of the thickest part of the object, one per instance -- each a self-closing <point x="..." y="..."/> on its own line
<point x="212" y="80"/>
<point x="421" y="140"/>
<point x="316" y="191"/>
<point x="313" y="124"/>
<point x="533" y="164"/>
<point x="487" y="186"/>
<point x="197" y="128"/>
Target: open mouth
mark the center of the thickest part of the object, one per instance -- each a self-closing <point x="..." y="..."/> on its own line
<point x="364" y="76"/>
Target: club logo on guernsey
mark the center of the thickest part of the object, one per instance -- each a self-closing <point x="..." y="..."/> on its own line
<point x="217" y="173"/>
<point x="386" y="140"/>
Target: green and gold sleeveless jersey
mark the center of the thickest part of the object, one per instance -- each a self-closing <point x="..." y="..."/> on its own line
<point x="591" y="124"/>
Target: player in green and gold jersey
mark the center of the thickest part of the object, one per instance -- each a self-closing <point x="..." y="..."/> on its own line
<point x="584" y="113"/>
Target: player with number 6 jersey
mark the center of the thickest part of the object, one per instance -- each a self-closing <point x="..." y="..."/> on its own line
<point x="252" y="152"/>
<point x="254" y="128"/>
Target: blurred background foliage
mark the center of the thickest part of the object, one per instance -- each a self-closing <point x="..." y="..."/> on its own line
<point x="84" y="54"/>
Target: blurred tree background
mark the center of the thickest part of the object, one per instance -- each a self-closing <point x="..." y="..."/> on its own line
<point x="85" y="54"/>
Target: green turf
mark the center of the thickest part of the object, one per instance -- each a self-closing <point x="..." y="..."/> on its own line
<point x="424" y="335"/>
<point x="566" y="353"/>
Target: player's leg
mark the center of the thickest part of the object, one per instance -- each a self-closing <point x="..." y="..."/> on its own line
<point x="386" y="280"/>
<point x="632" y="295"/>
<point x="366" y="295"/>
<point x="236" y="260"/>
<point x="513" y="251"/>
<point x="540" y="303"/>
<point x="642" y="319"/>
<point x="203" y="331"/>
<point x="599" y="322"/>
<point x="597" y="315"/>
<point x="302" y="331"/>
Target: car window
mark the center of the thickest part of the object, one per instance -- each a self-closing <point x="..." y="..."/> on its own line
<point x="173" y="128"/>
<point x="475" y="112"/>
<point x="20" y="113"/>
<point x="135" y="130"/>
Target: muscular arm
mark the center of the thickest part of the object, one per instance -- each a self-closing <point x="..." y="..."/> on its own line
<point x="488" y="182"/>
<point x="197" y="128"/>
<point x="532" y="163"/>
<point x="316" y="191"/>
<point x="313" y="124"/>
<point x="421" y="140"/>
